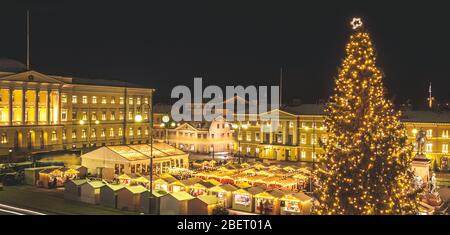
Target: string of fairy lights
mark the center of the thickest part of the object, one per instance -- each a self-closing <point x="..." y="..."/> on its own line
<point x="365" y="168"/>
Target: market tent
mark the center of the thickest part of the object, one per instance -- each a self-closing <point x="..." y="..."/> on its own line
<point x="161" y="184"/>
<point x="296" y="204"/>
<point x="268" y="203"/>
<point x="129" y="197"/>
<point x="108" y="194"/>
<point x="214" y="182"/>
<point x="145" y="200"/>
<point x="175" y="203"/>
<point x="32" y="174"/>
<point x="243" y="185"/>
<point x="223" y="193"/>
<point x="72" y="191"/>
<point x="202" y="205"/>
<point x="124" y="179"/>
<point x="90" y="192"/>
<point x="82" y="170"/>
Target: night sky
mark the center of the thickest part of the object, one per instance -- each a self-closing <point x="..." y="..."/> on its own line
<point x="233" y="43"/>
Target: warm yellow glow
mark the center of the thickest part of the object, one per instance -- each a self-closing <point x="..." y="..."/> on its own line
<point x="138" y="118"/>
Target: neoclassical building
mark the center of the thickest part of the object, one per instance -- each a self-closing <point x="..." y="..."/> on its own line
<point x="40" y="112"/>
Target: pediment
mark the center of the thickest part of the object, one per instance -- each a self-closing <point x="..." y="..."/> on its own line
<point x="31" y="76"/>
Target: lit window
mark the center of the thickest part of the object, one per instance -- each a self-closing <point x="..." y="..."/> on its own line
<point x="94" y="99"/>
<point x="445" y="133"/>
<point x="111" y="132"/>
<point x="64" y="137"/>
<point x="112" y="116"/>
<point x="54" y="137"/>
<point x="138" y="101"/>
<point x="130" y="115"/>
<point x="146" y="131"/>
<point x="103" y="134"/>
<point x="103" y="100"/>
<point x="4" y="139"/>
<point x="302" y="154"/>
<point x="84" y="99"/>
<point x="303" y="138"/>
<point x="64" y="98"/>
<point x="249" y="136"/>
<point x="74" y="99"/>
<point x="84" y="117"/>
<point x="64" y="115"/>
<point x="121" y="115"/>
<point x="130" y="100"/>
<point x="291" y="124"/>
<point x="146" y="100"/>
<point x="121" y="100"/>
<point x="74" y="115"/>
<point x="313" y="156"/>
<point x="429" y="133"/>
<point x="429" y="148"/>
<point x="257" y="136"/>
<point x="94" y="116"/>
<point x="139" y="131"/>
<point x="93" y="133"/>
<point x="444" y="148"/>
<point x="131" y="131"/>
<point x="83" y="133"/>
<point x="103" y="116"/>
<point x="120" y="132"/>
<point x="113" y="100"/>
<point x="313" y="139"/>
<point x="74" y="134"/>
<point x="248" y="150"/>
<point x="257" y="150"/>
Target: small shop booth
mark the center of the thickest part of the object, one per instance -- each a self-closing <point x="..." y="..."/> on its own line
<point x="90" y="192"/>
<point x="32" y="174"/>
<point x="296" y="204"/>
<point x="108" y="195"/>
<point x="243" y="199"/>
<point x="175" y="203"/>
<point x="129" y="197"/>
<point x="54" y="178"/>
<point x="203" y="205"/>
<point x="224" y="194"/>
<point x="268" y="203"/>
<point x="145" y="200"/>
<point x="72" y="191"/>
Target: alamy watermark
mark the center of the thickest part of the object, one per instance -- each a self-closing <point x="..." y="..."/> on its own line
<point x="240" y="103"/>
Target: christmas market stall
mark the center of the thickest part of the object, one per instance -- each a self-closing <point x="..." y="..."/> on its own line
<point x="223" y="193"/>
<point x="32" y="174"/>
<point x="53" y="178"/>
<point x="145" y="200"/>
<point x="108" y="195"/>
<point x="90" y="192"/>
<point x="268" y="203"/>
<point x="243" y="199"/>
<point x="82" y="170"/>
<point x="296" y="204"/>
<point x="175" y="203"/>
<point x="124" y="179"/>
<point x="72" y="191"/>
<point x="202" y="205"/>
<point x="200" y="188"/>
<point x="129" y="197"/>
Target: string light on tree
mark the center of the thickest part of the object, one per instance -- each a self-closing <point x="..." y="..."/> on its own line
<point x="365" y="168"/>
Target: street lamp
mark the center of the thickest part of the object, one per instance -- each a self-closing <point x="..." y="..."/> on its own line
<point x="238" y="128"/>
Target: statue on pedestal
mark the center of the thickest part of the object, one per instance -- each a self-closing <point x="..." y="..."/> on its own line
<point x="433" y="183"/>
<point x="421" y="139"/>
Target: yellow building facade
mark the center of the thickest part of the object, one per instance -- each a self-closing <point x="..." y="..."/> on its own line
<point x="40" y="112"/>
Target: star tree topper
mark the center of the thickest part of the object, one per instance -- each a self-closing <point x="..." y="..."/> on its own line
<point x="356" y="23"/>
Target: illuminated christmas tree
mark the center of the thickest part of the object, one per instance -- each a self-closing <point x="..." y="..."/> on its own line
<point x="366" y="165"/>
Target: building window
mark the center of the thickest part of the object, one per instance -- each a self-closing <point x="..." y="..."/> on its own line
<point x="112" y="116"/>
<point x="94" y="116"/>
<point x="74" y="115"/>
<point x="121" y="99"/>
<point x="138" y="101"/>
<point x="139" y="131"/>
<point x="302" y="154"/>
<point x="313" y="138"/>
<point x="64" y="137"/>
<point x="257" y="136"/>
<point x="291" y="124"/>
<point x="249" y="136"/>
<point x="54" y="137"/>
<point x="83" y="133"/>
<point x="103" y="134"/>
<point x="429" y="148"/>
<point x="121" y="115"/>
<point x="113" y="100"/>
<point x="444" y="148"/>
<point x="93" y="133"/>
<point x="4" y="139"/>
<point x="84" y="116"/>
<point x="111" y="132"/>
<point x="74" y="99"/>
<point x="64" y="115"/>
<point x="103" y="115"/>
<point x="429" y="133"/>
<point x="104" y="100"/>
<point x="94" y="99"/>
<point x="445" y="133"/>
<point x="313" y="155"/>
<point x="130" y="115"/>
<point x="130" y="100"/>
<point x="74" y="134"/>
<point x="257" y="150"/>
<point x="120" y="132"/>
<point x="84" y="99"/>
<point x="303" y="138"/>
<point x="146" y="100"/>
<point x="64" y="98"/>
<point x="131" y="132"/>
<point x="146" y="131"/>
